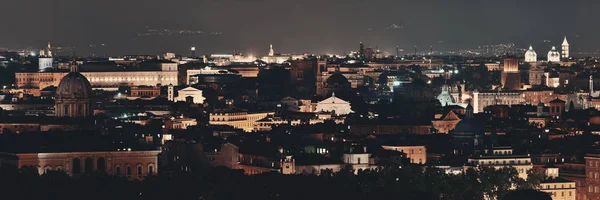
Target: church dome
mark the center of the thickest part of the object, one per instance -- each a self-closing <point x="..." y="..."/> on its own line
<point x="553" y="55"/>
<point x="338" y="79"/>
<point x="74" y="86"/>
<point x="445" y="98"/>
<point x="530" y="55"/>
<point x="469" y="127"/>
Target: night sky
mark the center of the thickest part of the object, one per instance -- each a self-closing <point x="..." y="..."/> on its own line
<point x="295" y="26"/>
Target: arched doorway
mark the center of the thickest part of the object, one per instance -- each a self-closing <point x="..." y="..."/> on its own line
<point x="89" y="165"/>
<point x="76" y="166"/>
<point x="101" y="164"/>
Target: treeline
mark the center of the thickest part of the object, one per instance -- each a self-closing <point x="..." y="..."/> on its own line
<point x="222" y="183"/>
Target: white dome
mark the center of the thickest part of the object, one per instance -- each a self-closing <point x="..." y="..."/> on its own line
<point x="553" y="55"/>
<point x="530" y="55"/>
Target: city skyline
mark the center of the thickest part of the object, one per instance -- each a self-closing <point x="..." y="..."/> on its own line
<point x="328" y="26"/>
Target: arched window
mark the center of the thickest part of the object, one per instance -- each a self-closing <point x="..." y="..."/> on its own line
<point x="128" y="171"/>
<point x="66" y="111"/>
<point x="139" y="171"/>
<point x="89" y="165"/>
<point x="101" y="164"/>
<point x="151" y="168"/>
<point x="76" y="166"/>
<point x="118" y="170"/>
<point x="47" y="169"/>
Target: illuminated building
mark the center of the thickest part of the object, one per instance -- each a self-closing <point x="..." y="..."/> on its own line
<point x="530" y="55"/>
<point x="180" y="123"/>
<point x="125" y="163"/>
<point x="274" y="58"/>
<point x="554" y="55"/>
<point x="237" y="119"/>
<point x="536" y="76"/>
<point x="356" y="159"/>
<point x="534" y="97"/>
<point x="144" y="92"/>
<point x="511" y="78"/>
<point x="416" y="153"/>
<point x="559" y="188"/>
<point x="565" y="49"/>
<point x="592" y="169"/>
<point x="501" y="157"/>
<point x="103" y="77"/>
<point x="334" y="105"/>
<point x="45" y="59"/>
<point x="445" y="98"/>
<point x="484" y="99"/>
<point x="446" y="123"/>
<point x="73" y="95"/>
<point x="190" y="94"/>
<point x="44" y="63"/>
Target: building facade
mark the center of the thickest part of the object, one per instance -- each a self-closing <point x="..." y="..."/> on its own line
<point x="417" y="153"/>
<point x="240" y="120"/>
<point x="484" y="99"/>
<point x="129" y="164"/>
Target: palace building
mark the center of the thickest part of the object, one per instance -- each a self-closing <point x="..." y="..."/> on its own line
<point x="129" y="164"/>
<point x="103" y="75"/>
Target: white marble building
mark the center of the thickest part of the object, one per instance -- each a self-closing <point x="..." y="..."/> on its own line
<point x="196" y="94"/>
<point x="334" y="104"/>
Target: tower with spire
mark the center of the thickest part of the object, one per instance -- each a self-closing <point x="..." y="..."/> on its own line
<point x="565" y="48"/>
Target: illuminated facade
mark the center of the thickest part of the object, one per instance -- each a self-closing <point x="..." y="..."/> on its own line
<point x="554" y="55"/>
<point x="417" y="154"/>
<point x="129" y="164"/>
<point x="446" y="123"/>
<point x="503" y="157"/>
<point x="559" y="190"/>
<point x="45" y="60"/>
<point x="530" y="55"/>
<point x="190" y="92"/>
<point x="240" y="120"/>
<point x="511" y="79"/>
<point x="484" y="99"/>
<point x="592" y="170"/>
<point x="334" y="105"/>
<point x="536" y="76"/>
<point x="41" y="80"/>
<point x="163" y="74"/>
<point x="565" y="48"/>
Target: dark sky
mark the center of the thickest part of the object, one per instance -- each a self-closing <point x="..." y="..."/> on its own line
<point x="296" y="26"/>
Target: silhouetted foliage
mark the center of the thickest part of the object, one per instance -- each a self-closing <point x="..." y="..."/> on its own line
<point x="222" y="183"/>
